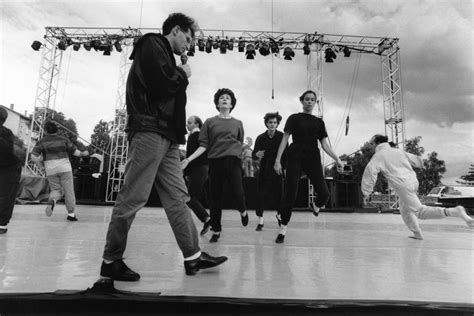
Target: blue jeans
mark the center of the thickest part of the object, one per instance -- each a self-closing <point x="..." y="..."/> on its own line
<point x="153" y="161"/>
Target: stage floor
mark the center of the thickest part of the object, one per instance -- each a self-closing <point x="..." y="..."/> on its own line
<point x="341" y="256"/>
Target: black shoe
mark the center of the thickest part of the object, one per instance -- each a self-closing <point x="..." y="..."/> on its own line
<point x="259" y="227"/>
<point x="245" y="219"/>
<point x="104" y="286"/>
<point x="204" y="261"/>
<point x="72" y="218"/>
<point x="3" y="230"/>
<point x="280" y="239"/>
<point x="205" y="227"/>
<point x="278" y="219"/>
<point x="315" y="209"/>
<point x="215" y="237"/>
<point x="119" y="271"/>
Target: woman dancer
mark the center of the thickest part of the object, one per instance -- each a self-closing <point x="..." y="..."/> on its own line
<point x="222" y="137"/>
<point x="303" y="155"/>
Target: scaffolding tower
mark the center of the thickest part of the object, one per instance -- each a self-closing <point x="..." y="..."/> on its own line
<point x="106" y="40"/>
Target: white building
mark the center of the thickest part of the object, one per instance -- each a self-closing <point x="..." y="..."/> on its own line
<point x="19" y="124"/>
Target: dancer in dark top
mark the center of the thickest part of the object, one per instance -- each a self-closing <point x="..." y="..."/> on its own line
<point x="303" y="155"/>
<point x="269" y="183"/>
<point x="196" y="173"/>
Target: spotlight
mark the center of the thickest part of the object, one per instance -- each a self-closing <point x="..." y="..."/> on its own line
<point x="209" y="46"/>
<point x="329" y="55"/>
<point x="241" y="45"/>
<point x="223" y="46"/>
<point x="36" y="45"/>
<point x="215" y="45"/>
<point x="230" y="46"/>
<point x="62" y="44"/>
<point x="76" y="46"/>
<point x="346" y="51"/>
<point x="274" y="47"/>
<point x="191" y="50"/>
<point x="264" y="49"/>
<point x="250" y="53"/>
<point x="95" y="44"/>
<point x="87" y="46"/>
<point x="107" y="51"/>
<point x="118" y="46"/>
<point x="288" y="53"/>
<point x="306" y="49"/>
<point x="201" y="44"/>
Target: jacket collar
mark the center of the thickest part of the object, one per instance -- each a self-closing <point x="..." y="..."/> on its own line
<point x="382" y="146"/>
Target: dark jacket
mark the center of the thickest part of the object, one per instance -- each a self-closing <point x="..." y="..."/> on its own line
<point x="8" y="158"/>
<point x="156" y="90"/>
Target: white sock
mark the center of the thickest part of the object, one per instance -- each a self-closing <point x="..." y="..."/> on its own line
<point x="195" y="256"/>
<point x="243" y="214"/>
<point x="71" y="214"/>
<point x="283" y="229"/>
<point x="260" y="220"/>
<point x="107" y="261"/>
<point x="3" y="227"/>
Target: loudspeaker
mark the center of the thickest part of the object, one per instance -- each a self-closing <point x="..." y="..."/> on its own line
<point x="345" y="194"/>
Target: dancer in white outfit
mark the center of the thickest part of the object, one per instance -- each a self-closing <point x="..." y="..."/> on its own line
<point x="396" y="165"/>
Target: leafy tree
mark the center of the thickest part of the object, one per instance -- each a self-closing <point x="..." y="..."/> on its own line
<point x="100" y="139"/>
<point x="469" y="177"/>
<point x="431" y="174"/>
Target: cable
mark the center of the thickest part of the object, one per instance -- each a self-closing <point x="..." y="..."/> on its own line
<point x="141" y="13"/>
<point x="350" y="97"/>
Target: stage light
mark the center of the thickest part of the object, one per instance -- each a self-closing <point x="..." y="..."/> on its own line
<point x="201" y="44"/>
<point x="346" y="51"/>
<point x="264" y="49"/>
<point x="209" y="46"/>
<point x="107" y="51"/>
<point x="87" y="46"/>
<point x="223" y="46"/>
<point x="250" y="53"/>
<point x="241" y="45"/>
<point x="62" y="44"/>
<point x="306" y="49"/>
<point x="118" y="46"/>
<point x="288" y="53"/>
<point x="329" y="55"/>
<point x="215" y="45"/>
<point x="36" y="45"/>
<point x="76" y="46"/>
<point x="95" y="44"/>
<point x="191" y="50"/>
<point x="274" y="47"/>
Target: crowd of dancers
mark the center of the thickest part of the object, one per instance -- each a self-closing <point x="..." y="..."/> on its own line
<point x="156" y="126"/>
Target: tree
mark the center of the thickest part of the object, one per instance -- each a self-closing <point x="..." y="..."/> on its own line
<point x="469" y="177"/>
<point x="431" y="174"/>
<point x="100" y="139"/>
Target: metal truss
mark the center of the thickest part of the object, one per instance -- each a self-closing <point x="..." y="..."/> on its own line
<point x="314" y="45"/>
<point x="45" y="98"/>
<point x="119" y="144"/>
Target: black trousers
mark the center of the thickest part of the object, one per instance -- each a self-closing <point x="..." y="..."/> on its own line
<point x="269" y="189"/>
<point x="221" y="170"/>
<point x="9" y="184"/>
<point x="309" y="163"/>
<point x="196" y="179"/>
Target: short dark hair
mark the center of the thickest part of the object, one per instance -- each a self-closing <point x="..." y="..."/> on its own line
<point x="307" y="92"/>
<point x="185" y="22"/>
<point x="221" y="92"/>
<point x="379" y="139"/>
<point x="3" y="115"/>
<point x="197" y="120"/>
<point x="50" y="127"/>
<point x="270" y="116"/>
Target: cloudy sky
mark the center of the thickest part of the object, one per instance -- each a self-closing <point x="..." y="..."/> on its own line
<point x="435" y="48"/>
